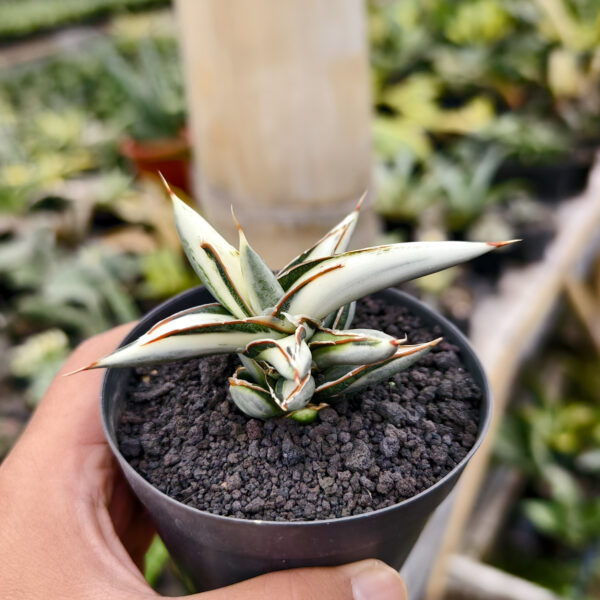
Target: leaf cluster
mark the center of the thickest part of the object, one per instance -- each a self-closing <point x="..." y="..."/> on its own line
<point x="290" y="330"/>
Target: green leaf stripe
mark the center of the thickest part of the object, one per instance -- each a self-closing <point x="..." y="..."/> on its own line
<point x="213" y="255"/>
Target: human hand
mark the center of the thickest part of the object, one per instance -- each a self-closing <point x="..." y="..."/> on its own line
<point x="71" y="529"/>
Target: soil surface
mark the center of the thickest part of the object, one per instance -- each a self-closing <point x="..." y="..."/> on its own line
<point x="181" y="432"/>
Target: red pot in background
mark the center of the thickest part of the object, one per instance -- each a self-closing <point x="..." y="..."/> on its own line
<point x="170" y="156"/>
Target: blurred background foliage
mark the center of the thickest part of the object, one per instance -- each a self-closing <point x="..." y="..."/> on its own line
<point x="551" y="436"/>
<point x="19" y="18"/>
<point x="455" y="78"/>
<point x="485" y="114"/>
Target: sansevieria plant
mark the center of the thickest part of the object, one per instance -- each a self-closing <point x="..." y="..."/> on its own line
<point x="290" y="330"/>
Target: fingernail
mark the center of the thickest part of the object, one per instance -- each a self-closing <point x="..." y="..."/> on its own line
<point x="374" y="580"/>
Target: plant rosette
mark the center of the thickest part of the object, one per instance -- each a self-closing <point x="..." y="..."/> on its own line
<point x="355" y="475"/>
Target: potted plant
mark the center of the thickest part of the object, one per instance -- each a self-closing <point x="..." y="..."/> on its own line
<point x="278" y="463"/>
<point x="156" y="137"/>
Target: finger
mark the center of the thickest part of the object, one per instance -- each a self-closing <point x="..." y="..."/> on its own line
<point x="364" y="580"/>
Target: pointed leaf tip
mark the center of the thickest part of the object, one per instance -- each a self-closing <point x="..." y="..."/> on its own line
<point x="236" y="222"/>
<point x="341" y="379"/>
<point x="411" y="349"/>
<point x="165" y="183"/>
<point x="400" y="341"/>
<point x="360" y="201"/>
<point x="501" y="244"/>
<point x="215" y="261"/>
<point x="81" y="369"/>
<point x="262" y="288"/>
<point x="318" y="287"/>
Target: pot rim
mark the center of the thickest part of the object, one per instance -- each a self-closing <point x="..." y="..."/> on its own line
<point x="410" y="301"/>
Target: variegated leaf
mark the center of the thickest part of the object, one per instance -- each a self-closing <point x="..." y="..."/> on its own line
<point x="352" y="347"/>
<point x="262" y="287"/>
<point x="289" y="356"/>
<point x="338" y="280"/>
<point x="214" y="308"/>
<point x="254" y="370"/>
<point x="338" y="380"/>
<point x="251" y="398"/>
<point x="294" y="395"/>
<point x="344" y="316"/>
<point x="287" y="279"/>
<point x="193" y="334"/>
<point x="336" y="240"/>
<point x="215" y="261"/>
<point x="340" y="318"/>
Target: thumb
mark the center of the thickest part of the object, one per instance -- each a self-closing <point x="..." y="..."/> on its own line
<point x="365" y="580"/>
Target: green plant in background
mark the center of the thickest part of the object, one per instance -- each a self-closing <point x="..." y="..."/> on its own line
<point x="290" y="330"/>
<point x="153" y="89"/>
<point x="399" y="37"/>
<point x="61" y="117"/>
<point x="54" y="298"/>
<point x="402" y="191"/>
<point x="449" y="192"/>
<point x="37" y="360"/>
<point x="21" y="17"/>
<point x="50" y="280"/>
<point x="164" y="274"/>
<point x="465" y="184"/>
<point x="555" y="427"/>
<point x="417" y="112"/>
<point x="81" y="292"/>
<point x="37" y="152"/>
<point x="553" y="438"/>
<point x="480" y="22"/>
<point x="523" y="76"/>
<point x="155" y="560"/>
<point x="393" y="136"/>
<point x="526" y="138"/>
<point x="559" y="446"/>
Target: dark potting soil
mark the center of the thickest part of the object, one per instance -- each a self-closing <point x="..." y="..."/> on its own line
<point x="181" y="431"/>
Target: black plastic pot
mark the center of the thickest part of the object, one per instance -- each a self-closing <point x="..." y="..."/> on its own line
<point x="215" y="551"/>
<point x="564" y="177"/>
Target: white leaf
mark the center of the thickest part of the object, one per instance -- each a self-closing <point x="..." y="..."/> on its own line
<point x="252" y="399"/>
<point x="338" y="280"/>
<point x="351" y="347"/>
<point x="294" y="395"/>
<point x="215" y="261"/>
<point x="290" y="356"/>
<point x="341" y="380"/>
<point x="193" y="334"/>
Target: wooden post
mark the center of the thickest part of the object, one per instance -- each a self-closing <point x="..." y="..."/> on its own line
<point x="279" y="100"/>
